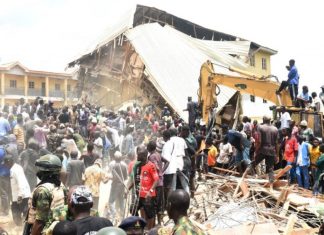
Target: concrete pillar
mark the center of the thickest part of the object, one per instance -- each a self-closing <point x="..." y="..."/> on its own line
<point x="47" y="87"/>
<point x="3" y="89"/>
<point x="65" y="91"/>
<point x="26" y="87"/>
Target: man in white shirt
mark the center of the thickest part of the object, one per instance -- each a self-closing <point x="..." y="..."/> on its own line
<point x="98" y="144"/>
<point x="122" y="122"/>
<point x="317" y="103"/>
<point x="285" y="119"/>
<point x="115" y="137"/>
<point x="173" y="153"/>
<point x="20" y="190"/>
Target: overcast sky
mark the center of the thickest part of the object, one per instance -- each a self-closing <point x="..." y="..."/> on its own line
<point x="47" y="34"/>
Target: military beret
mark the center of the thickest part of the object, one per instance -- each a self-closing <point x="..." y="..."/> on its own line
<point x="132" y="222"/>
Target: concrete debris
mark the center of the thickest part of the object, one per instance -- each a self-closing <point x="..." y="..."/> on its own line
<point x="227" y="204"/>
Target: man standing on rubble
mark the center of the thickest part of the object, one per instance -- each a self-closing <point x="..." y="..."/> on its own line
<point x="191" y="108"/>
<point x="266" y="147"/>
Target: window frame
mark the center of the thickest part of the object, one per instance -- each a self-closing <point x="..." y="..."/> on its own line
<point x="13" y="84"/>
<point x="252" y="60"/>
<point x="31" y="83"/>
<point x="57" y="85"/>
<point x="264" y="63"/>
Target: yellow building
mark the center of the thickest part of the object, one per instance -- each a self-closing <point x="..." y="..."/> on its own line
<point x="17" y="81"/>
<point x="260" y="59"/>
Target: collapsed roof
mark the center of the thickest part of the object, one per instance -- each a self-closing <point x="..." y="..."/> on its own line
<point x="172" y="51"/>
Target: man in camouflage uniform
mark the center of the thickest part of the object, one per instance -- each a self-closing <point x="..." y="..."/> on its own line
<point x="178" y="204"/>
<point x="48" y="194"/>
<point x="64" y="213"/>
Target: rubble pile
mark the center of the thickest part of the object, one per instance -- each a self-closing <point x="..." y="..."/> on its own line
<point x="227" y="204"/>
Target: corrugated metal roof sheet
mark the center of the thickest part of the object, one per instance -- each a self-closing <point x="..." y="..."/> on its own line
<point x="173" y="61"/>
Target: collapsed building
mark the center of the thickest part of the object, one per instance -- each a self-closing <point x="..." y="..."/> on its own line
<point x="153" y="57"/>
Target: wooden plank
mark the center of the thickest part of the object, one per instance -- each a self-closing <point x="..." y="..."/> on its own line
<point x="283" y="196"/>
<point x="290" y="225"/>
<point x="280" y="174"/>
<point x="280" y="183"/>
<point x="225" y="170"/>
<point x="264" y="176"/>
<point x="285" y="208"/>
<point x="240" y="182"/>
<point x="304" y="231"/>
<point x="245" y="189"/>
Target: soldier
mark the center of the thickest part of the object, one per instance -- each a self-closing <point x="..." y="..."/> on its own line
<point x="49" y="193"/>
<point x="178" y="204"/>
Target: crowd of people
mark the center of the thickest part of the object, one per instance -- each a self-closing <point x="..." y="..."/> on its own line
<point x="54" y="161"/>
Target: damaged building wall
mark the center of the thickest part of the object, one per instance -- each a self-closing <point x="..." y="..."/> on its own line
<point x="114" y="74"/>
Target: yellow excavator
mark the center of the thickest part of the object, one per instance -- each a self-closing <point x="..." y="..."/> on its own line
<point x="243" y="81"/>
<point x="249" y="83"/>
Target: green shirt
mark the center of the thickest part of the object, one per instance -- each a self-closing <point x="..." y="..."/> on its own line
<point x="320" y="167"/>
<point x="186" y="227"/>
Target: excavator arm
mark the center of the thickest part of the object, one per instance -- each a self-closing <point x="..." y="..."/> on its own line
<point x="245" y="82"/>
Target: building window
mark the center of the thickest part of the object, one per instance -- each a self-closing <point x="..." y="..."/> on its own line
<point x="31" y="85"/>
<point x="57" y="87"/>
<point x="264" y="63"/>
<point x="252" y="61"/>
<point x="13" y="83"/>
<point x="264" y="101"/>
<point x="68" y="87"/>
<point x="252" y="98"/>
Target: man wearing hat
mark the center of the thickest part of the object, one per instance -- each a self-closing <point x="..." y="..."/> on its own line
<point x="133" y="225"/>
<point x="49" y="193"/>
<point x="64" y="212"/>
<point x="305" y="131"/>
<point x="81" y="204"/>
<point x="266" y="147"/>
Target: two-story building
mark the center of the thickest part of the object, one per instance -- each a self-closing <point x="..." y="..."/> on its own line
<point x="17" y="81"/>
<point x="259" y="64"/>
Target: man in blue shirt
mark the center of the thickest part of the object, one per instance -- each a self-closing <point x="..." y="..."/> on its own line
<point x="4" y="183"/>
<point x="304" y="99"/>
<point x="4" y="126"/>
<point x="292" y="82"/>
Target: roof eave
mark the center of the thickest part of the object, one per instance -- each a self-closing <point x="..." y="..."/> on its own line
<point x="268" y="50"/>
